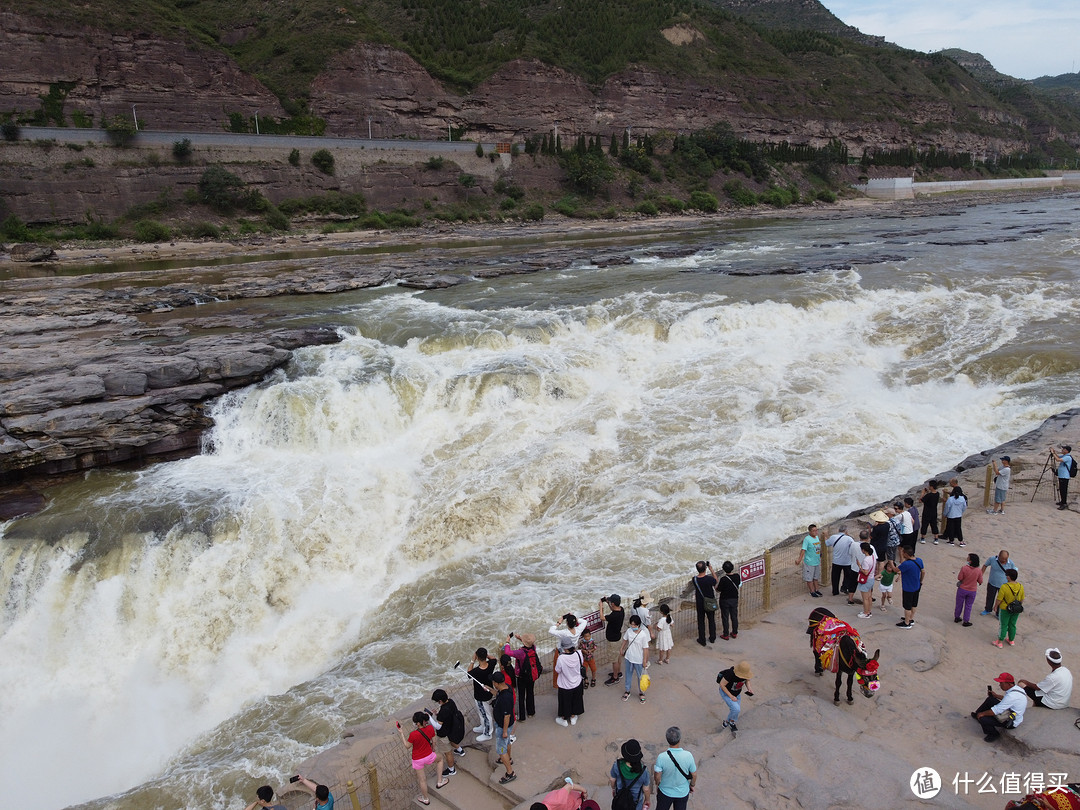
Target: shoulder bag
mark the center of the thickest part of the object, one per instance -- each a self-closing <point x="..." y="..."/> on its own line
<point x="711" y="605"/>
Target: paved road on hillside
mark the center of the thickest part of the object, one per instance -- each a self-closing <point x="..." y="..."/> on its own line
<point x="149" y="136"/>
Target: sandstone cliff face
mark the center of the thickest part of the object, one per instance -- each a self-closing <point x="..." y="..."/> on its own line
<point x="172" y="86"/>
<point x="528" y="97"/>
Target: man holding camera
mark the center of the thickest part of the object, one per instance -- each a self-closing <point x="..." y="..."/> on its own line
<point x="613" y="625"/>
<point x="323" y="799"/>
<point x="1064" y="460"/>
<point x="704" y="583"/>
<point x="1001" y="711"/>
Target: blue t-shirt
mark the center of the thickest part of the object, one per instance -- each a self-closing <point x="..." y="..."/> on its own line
<point x="1063" y="467"/>
<point x="672" y="783"/>
<point x="813" y="550"/>
<point x="909" y="574"/>
<point x="329" y="803"/>
<point x="997" y="572"/>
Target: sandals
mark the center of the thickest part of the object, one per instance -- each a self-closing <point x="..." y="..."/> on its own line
<point x="592" y="682"/>
<point x="423" y="801"/>
<point x="626" y="696"/>
<point x="642" y="697"/>
<point x="441" y="784"/>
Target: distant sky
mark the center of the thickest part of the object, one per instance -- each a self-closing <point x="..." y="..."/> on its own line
<point x="1022" y="38"/>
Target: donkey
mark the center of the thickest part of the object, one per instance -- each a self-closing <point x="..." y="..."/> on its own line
<point x="830" y="637"/>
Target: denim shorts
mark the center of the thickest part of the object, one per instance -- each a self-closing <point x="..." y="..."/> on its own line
<point x="501" y="742"/>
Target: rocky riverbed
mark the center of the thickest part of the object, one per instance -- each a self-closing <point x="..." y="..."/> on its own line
<point x="116" y="366"/>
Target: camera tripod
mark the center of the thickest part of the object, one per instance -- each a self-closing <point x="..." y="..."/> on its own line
<point x="1048" y="465"/>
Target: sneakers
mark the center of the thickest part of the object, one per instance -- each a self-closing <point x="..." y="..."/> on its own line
<point x="935" y="541"/>
<point x="478" y="729"/>
<point x="510" y="777"/>
<point x="961" y="544"/>
<point x="1011" y="643"/>
<point x="726" y="724"/>
<point x="956" y="619"/>
<point x="573" y="720"/>
<point x="449" y="771"/>
<point x="923" y="541"/>
<point x="904" y="624"/>
<point x="483" y="737"/>
<point x="966" y="624"/>
<point x="815" y="594"/>
<point x="725" y="637"/>
<point x="733" y="727"/>
<point x="459" y="751"/>
<point x="866" y="615"/>
<point x="562" y="721"/>
<point x="612" y="679"/>
<point x="733" y="635"/>
<point x="986" y="613"/>
<point x="997" y="643"/>
<point x="702" y="643"/>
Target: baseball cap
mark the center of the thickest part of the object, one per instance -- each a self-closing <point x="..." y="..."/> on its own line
<point x="1005" y="677"/>
<point x="1006" y="458"/>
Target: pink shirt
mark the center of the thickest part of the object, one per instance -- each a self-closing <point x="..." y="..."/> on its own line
<point x="969" y="578"/>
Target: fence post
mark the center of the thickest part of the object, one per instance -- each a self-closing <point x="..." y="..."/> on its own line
<point x="989" y="486"/>
<point x="351" y="788"/>
<point x="373" y="786"/>
<point x="766" y="591"/>
<point x="826" y="560"/>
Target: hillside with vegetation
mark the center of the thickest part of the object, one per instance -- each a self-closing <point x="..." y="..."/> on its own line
<point x="731" y="102"/>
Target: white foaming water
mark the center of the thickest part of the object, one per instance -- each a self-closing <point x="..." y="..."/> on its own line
<point x="364" y="519"/>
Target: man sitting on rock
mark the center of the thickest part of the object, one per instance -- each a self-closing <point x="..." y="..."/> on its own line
<point x="1055" y="690"/>
<point x="1001" y="711"/>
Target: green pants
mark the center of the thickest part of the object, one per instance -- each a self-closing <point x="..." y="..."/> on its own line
<point x="1008" y="624"/>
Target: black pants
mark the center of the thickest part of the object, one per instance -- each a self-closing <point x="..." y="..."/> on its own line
<point x="838" y="578"/>
<point x="990" y="724"/>
<point x="929" y="523"/>
<point x="701" y="614"/>
<point x="526" y="698"/>
<point x="991" y="598"/>
<point x="954" y="529"/>
<point x="851" y="581"/>
<point x="1063" y="491"/>
<point x="729" y="611"/>
<point x="1037" y="699"/>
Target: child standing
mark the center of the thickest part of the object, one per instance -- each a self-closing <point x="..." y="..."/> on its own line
<point x="588" y="652"/>
<point x="888" y="574"/>
<point x="664" y="640"/>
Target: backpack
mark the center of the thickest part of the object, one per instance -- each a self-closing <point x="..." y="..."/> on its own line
<point x="1072" y="467"/>
<point x="458" y="733"/>
<point x="535" y="667"/>
<point x="624" y="796"/>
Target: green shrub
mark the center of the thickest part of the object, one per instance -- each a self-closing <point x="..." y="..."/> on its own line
<point x="294" y="157"/>
<point x="779" y="197"/>
<point x="15" y="229"/>
<point x="672" y="205"/>
<point x="648" y="208"/>
<point x="479" y="150"/>
<point x="323" y="161"/>
<point x="435" y="162"/>
<point x="508" y="204"/>
<point x="10" y="130"/>
<point x="567" y="206"/>
<point x="182" y="150"/>
<point x="825" y="195"/>
<point x="276" y="220"/>
<point x="201" y="230"/>
<point x="533" y="213"/>
<point x="120" y="130"/>
<point x="220" y="189"/>
<point x="149" y="230"/>
<point x="82" y="120"/>
<point x="704" y="201"/>
<point x="739" y="194"/>
<point x="504" y="186"/>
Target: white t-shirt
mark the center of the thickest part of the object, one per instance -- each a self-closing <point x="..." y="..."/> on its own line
<point x="841" y="546"/>
<point x="1056" y="689"/>
<point x="635" y="649"/>
<point x="1015" y="699"/>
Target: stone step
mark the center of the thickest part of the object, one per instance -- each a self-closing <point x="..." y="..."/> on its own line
<point x="465" y="792"/>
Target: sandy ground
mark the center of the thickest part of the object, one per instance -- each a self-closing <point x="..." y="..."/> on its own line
<point x="795" y="747"/>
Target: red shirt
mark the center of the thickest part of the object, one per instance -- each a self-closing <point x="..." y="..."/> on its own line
<point x="421" y="741"/>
